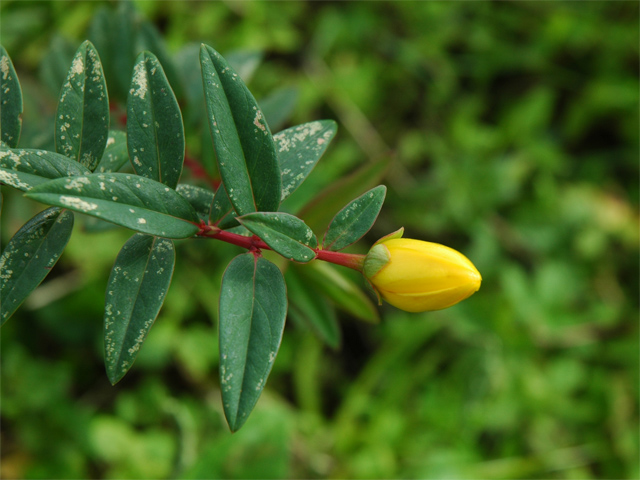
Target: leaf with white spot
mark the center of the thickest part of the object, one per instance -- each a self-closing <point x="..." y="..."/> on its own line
<point x="352" y="222"/>
<point x="25" y="168"/>
<point x="29" y="256"/>
<point x="299" y="149"/>
<point x="155" y="133"/>
<point x="199" y="198"/>
<point x="138" y="203"/>
<point x="253" y="308"/>
<point x="82" y="117"/>
<point x="284" y="233"/>
<point x="245" y="150"/>
<point x="115" y="154"/>
<point x="10" y="101"/>
<point x="137" y="287"/>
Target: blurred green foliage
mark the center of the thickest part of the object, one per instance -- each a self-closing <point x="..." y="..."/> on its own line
<point x="509" y="131"/>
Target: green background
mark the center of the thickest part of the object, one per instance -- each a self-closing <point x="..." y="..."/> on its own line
<point x="511" y="133"/>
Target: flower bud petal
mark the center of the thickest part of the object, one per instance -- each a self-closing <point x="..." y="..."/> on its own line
<point x="421" y="276"/>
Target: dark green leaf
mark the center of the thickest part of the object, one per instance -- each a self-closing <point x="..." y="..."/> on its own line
<point x="134" y="202"/>
<point x="354" y="220"/>
<point x="244" y="146"/>
<point x="284" y="233"/>
<point x="299" y="149"/>
<point x="253" y="308"/>
<point x="343" y="291"/>
<point x="155" y="134"/>
<point x="138" y="284"/>
<point x="10" y="101"/>
<point x="115" y="154"/>
<point x="25" y="168"/>
<point x="30" y="255"/>
<point x="221" y="205"/>
<point x="199" y="198"/>
<point x="278" y="106"/>
<point x="82" y="117"/>
<point x="122" y="42"/>
<point x="311" y="309"/>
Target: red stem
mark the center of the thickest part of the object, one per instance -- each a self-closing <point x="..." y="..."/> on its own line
<point x="253" y="243"/>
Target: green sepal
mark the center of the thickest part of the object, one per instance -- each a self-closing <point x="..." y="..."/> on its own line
<point x="376" y="259"/>
<point x="397" y="234"/>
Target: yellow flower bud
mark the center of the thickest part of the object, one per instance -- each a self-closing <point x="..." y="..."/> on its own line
<point x="417" y="276"/>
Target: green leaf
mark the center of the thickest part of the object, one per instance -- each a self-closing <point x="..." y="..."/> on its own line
<point x="311" y="309"/>
<point x="346" y="294"/>
<point x="221" y="205"/>
<point x="30" y="255"/>
<point x="278" y="106"/>
<point x="354" y="220"/>
<point x="199" y="198"/>
<point x="26" y="168"/>
<point x="134" y="202"/>
<point x="253" y="308"/>
<point x="284" y="233"/>
<point x="115" y="154"/>
<point x="155" y="134"/>
<point x="137" y="286"/>
<point x="299" y="149"/>
<point x="82" y="117"/>
<point x="245" y="150"/>
<point x="10" y="101"/>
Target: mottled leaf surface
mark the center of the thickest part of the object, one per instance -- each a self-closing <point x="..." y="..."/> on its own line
<point x="155" y="133"/>
<point x="284" y="233"/>
<point x="355" y="219"/>
<point x="299" y="149"/>
<point x="30" y="255"/>
<point x="82" y="117"/>
<point x="134" y="202"/>
<point x="136" y="290"/>
<point x="199" y="198"/>
<point x="115" y="154"/>
<point x="244" y="147"/>
<point x="10" y="101"/>
<point x="25" y="168"/>
<point x="253" y="308"/>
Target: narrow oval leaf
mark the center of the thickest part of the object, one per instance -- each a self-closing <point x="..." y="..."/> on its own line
<point x="25" y="168"/>
<point x="155" y="133"/>
<point x="137" y="286"/>
<point x="284" y="233"/>
<point x="354" y="220"/>
<point x="312" y="310"/>
<point x="115" y="154"/>
<point x="30" y="255"/>
<point x="299" y="149"/>
<point x="199" y="198"/>
<point x="245" y="150"/>
<point x="253" y="308"/>
<point x="134" y="202"/>
<point x="10" y="101"/>
<point x="82" y="117"/>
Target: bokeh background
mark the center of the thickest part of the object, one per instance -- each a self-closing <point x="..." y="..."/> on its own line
<point x="507" y="130"/>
